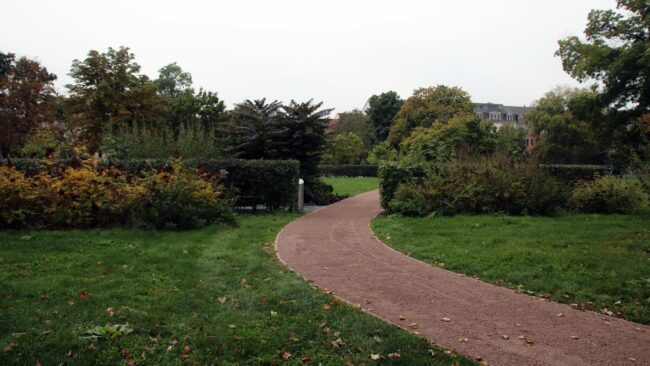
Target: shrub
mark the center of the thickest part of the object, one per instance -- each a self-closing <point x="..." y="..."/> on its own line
<point x="75" y="197"/>
<point x="349" y="170"/>
<point x="609" y="195"/>
<point x="494" y="185"/>
<point x="574" y="173"/>
<point x="273" y="183"/>
<point x="14" y="190"/>
<point x="179" y="199"/>
<point x="391" y="175"/>
<point x="86" y="196"/>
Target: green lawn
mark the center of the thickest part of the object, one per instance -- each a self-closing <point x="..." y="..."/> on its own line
<point x="211" y="296"/>
<point x="352" y="186"/>
<point x="595" y="261"/>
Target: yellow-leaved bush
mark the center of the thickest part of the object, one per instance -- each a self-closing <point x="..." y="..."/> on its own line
<point x="85" y="196"/>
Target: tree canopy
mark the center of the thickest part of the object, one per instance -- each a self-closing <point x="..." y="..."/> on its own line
<point x="109" y="93"/>
<point x="429" y="105"/>
<point x="381" y="111"/>
<point x="568" y="121"/>
<point x="26" y="100"/>
<point x="358" y="123"/>
<point x="615" y="52"/>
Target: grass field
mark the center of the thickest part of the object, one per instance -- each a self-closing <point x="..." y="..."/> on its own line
<point x="599" y="262"/>
<point x="211" y="296"/>
<point x="352" y="186"/>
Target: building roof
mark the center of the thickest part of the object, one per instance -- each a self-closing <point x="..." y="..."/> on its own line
<point x="492" y="107"/>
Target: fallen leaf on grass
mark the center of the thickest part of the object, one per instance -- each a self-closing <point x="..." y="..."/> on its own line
<point x="10" y="347"/>
<point x="374" y="356"/>
<point x="394" y="355"/>
<point x="305" y="359"/>
<point x="70" y="302"/>
<point x="274" y="313"/>
<point x="222" y="299"/>
<point x="186" y="351"/>
<point x="326" y="307"/>
<point x="285" y="355"/>
<point x="83" y="294"/>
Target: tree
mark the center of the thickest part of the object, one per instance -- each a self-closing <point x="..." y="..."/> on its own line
<point x="109" y="93"/>
<point x="346" y="148"/>
<point x="302" y="136"/>
<point x="173" y="81"/>
<point x="253" y="131"/>
<point x="441" y="142"/>
<point x="358" y="123"/>
<point x="426" y="106"/>
<point x="26" y="100"/>
<point x="203" y="110"/>
<point x="615" y="52"/>
<point x="381" y="111"/>
<point x="569" y="122"/>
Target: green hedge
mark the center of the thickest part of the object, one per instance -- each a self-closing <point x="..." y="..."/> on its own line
<point x="392" y="175"/>
<point x="272" y="183"/>
<point x="349" y="170"/>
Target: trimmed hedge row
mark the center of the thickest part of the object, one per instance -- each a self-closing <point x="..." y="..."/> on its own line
<point x="392" y="175"/>
<point x="349" y="170"/>
<point x="272" y="183"/>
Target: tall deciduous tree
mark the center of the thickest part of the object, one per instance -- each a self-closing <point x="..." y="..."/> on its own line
<point x="26" y="100"/>
<point x="358" y="123"/>
<point x="570" y="121"/>
<point x="109" y="93"/>
<point x="617" y="52"/>
<point x="173" y="81"/>
<point x="429" y="105"/>
<point x="382" y="109"/>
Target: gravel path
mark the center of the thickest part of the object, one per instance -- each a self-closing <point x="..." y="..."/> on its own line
<point x="335" y="249"/>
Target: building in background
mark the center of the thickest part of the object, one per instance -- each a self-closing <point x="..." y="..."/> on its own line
<point x="502" y="115"/>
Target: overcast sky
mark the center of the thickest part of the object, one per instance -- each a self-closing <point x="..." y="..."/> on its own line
<point x="336" y="51"/>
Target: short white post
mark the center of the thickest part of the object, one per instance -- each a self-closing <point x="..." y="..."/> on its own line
<point x="301" y="194"/>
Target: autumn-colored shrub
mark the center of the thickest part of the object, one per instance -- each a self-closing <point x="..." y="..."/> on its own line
<point x="14" y="189"/>
<point x="609" y="194"/>
<point x="180" y="199"/>
<point x="84" y="196"/>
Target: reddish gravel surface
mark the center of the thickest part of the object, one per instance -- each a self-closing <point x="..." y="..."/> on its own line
<point x="335" y="249"/>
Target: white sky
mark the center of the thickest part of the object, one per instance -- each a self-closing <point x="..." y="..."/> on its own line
<point x="336" y="51"/>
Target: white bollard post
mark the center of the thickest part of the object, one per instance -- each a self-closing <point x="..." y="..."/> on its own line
<point x="301" y="194"/>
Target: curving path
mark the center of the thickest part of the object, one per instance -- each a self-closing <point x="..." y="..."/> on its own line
<point x="335" y="249"/>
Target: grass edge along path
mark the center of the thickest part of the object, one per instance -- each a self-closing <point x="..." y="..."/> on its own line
<point x="595" y="262"/>
<point x="213" y="296"/>
<point x="351" y="186"/>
